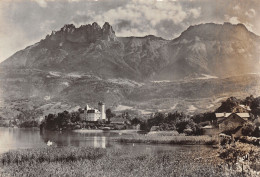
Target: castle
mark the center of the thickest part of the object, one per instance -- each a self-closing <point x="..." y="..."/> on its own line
<point x="93" y="115"/>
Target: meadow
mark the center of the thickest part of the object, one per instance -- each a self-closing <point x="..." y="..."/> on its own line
<point x="71" y="161"/>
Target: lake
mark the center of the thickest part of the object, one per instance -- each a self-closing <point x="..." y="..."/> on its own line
<point x="18" y="138"/>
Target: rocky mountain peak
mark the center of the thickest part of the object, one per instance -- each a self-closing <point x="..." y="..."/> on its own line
<point x="95" y="26"/>
<point x="214" y="50"/>
<point x="108" y="32"/>
<point x="107" y="28"/>
<point x="84" y="34"/>
<point x="68" y="28"/>
<point x="212" y="31"/>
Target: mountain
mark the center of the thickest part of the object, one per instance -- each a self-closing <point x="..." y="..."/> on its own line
<point x="74" y="66"/>
<point x="91" y="49"/>
<point x="214" y="49"/>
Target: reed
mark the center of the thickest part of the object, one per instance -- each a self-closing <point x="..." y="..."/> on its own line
<point x="65" y="154"/>
<point x="181" y="140"/>
<point x="111" y="162"/>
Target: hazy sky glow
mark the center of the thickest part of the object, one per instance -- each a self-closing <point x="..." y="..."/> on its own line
<point x="24" y="22"/>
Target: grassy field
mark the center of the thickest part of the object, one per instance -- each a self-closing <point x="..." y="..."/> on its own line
<point x="78" y="162"/>
<point x="181" y="140"/>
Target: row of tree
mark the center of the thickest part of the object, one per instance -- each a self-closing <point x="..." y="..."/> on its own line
<point x="192" y="125"/>
<point x="177" y="121"/>
<point x="73" y="120"/>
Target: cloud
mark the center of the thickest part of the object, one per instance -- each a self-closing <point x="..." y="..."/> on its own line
<point x="234" y="20"/>
<point x="195" y="12"/>
<point x="44" y="3"/>
<point x="142" y="16"/>
<point x="237" y="8"/>
<point x="46" y="25"/>
<point x="25" y="21"/>
<point x="251" y="13"/>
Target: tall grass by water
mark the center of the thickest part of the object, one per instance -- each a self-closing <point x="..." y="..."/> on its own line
<point x="65" y="154"/>
<point x="181" y="140"/>
<point x="86" y="161"/>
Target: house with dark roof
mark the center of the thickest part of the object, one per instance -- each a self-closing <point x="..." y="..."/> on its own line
<point x="231" y="122"/>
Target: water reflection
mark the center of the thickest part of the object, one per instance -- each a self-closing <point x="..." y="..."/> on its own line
<point x="11" y="138"/>
<point x="16" y="138"/>
<point x="97" y="140"/>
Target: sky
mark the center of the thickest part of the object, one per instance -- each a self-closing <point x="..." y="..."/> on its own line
<point x="25" y="22"/>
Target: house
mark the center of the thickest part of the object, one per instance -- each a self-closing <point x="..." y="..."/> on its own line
<point x="223" y="116"/>
<point x="93" y="115"/>
<point x="231" y="123"/>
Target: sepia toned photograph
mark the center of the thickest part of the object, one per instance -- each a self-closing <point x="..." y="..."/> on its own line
<point x="129" y="88"/>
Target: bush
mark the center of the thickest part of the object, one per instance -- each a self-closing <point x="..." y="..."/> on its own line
<point x="248" y="129"/>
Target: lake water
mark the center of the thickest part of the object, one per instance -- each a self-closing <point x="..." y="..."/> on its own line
<point x="16" y="138"/>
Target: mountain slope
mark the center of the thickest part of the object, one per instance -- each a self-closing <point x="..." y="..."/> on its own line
<point x="75" y="66"/>
<point x="91" y="49"/>
<point x="214" y="49"/>
<point x="220" y="50"/>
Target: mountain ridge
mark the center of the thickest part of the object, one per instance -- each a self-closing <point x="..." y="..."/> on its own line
<point x="201" y="49"/>
<point x="77" y="66"/>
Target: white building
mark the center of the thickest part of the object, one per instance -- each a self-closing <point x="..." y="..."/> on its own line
<point x="93" y="115"/>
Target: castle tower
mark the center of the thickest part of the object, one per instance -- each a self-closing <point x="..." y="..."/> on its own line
<point x="87" y="107"/>
<point x="101" y="108"/>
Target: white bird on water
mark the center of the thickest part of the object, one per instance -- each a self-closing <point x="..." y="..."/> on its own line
<point x="49" y="143"/>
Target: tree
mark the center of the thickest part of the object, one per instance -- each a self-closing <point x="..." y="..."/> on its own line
<point x="248" y="129"/>
<point x="109" y="114"/>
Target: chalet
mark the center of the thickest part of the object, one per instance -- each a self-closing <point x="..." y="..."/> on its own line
<point x="233" y="120"/>
<point x="223" y="116"/>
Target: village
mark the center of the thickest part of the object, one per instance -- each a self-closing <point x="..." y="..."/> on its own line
<point x="237" y="122"/>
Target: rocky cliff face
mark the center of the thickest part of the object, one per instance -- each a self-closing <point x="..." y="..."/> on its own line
<point x="83" y="34"/>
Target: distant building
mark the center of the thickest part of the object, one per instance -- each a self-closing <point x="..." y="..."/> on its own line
<point x="93" y="115"/>
<point x="117" y="120"/>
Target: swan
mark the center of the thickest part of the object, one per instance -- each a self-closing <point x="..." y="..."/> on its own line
<point x="49" y="143"/>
